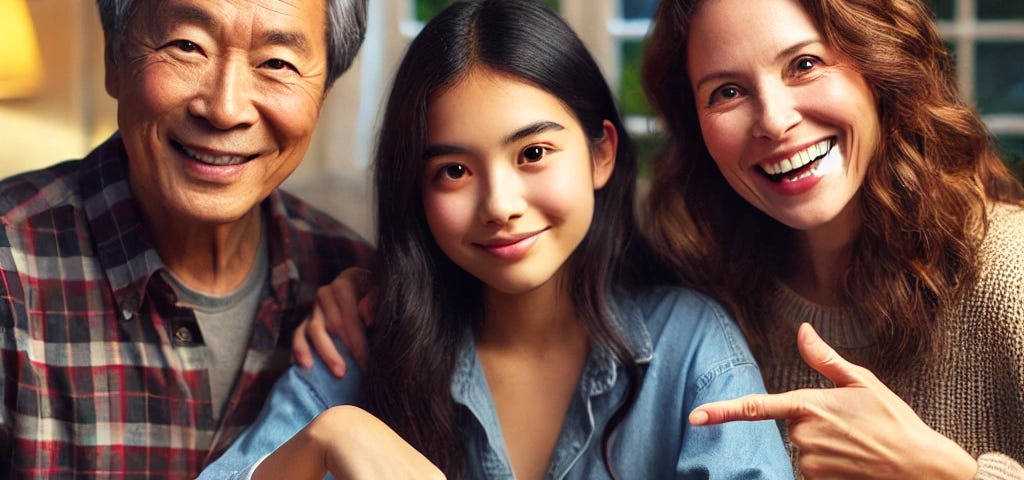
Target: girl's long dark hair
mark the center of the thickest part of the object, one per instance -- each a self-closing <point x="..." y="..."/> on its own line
<point x="426" y="302"/>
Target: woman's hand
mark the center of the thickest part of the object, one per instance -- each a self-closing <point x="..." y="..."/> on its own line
<point x="350" y="443"/>
<point x="860" y="429"/>
<point x="344" y="309"/>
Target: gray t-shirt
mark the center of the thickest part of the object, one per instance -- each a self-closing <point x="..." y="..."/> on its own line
<point x="226" y="323"/>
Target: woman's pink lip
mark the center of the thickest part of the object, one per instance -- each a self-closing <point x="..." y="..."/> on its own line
<point x="793" y="188"/>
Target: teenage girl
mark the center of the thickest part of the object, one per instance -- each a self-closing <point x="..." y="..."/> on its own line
<point x="514" y="335"/>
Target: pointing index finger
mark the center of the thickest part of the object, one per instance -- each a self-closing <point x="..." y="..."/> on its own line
<point x="758" y="406"/>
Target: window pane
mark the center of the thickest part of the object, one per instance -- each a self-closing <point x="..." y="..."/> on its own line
<point x="638" y="8"/>
<point x="426" y="9"/>
<point x="631" y="92"/>
<point x="999" y="76"/>
<point x="1012" y="149"/>
<point x="1000" y="9"/>
<point x="943" y="9"/>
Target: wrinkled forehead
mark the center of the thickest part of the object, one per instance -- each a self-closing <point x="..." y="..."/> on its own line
<point x="301" y="24"/>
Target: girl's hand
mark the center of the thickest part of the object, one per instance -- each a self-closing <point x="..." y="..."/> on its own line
<point x="351" y="444"/>
<point x="860" y="429"/>
<point x="344" y="308"/>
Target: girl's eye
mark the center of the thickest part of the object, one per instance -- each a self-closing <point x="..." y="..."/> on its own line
<point x="533" y="154"/>
<point x="724" y="93"/>
<point x="278" y="64"/>
<point x="454" y="171"/>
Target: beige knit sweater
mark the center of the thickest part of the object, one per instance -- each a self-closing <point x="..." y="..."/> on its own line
<point x="972" y="389"/>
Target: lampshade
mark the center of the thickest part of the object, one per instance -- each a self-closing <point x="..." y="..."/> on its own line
<point x="21" y="70"/>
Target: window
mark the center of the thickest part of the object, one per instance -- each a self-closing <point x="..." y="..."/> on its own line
<point x="987" y="40"/>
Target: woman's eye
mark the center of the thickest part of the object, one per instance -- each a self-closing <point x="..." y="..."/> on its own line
<point x="454" y="171"/>
<point x="804" y="64"/>
<point x="727" y="92"/>
<point x="533" y="154"/>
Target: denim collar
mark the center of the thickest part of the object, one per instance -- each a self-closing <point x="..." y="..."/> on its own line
<point x="600" y="375"/>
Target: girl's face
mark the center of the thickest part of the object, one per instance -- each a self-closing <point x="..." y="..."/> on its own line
<point x="790" y="122"/>
<point x="509" y="180"/>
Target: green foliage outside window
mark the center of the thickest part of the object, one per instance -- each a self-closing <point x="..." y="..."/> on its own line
<point x="631" y="93"/>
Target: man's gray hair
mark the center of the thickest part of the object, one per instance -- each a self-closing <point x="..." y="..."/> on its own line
<point x="346" y="27"/>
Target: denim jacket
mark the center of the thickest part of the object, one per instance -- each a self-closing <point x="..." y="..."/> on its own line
<point x="690" y="352"/>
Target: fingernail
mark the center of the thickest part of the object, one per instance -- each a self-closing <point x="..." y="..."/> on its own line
<point x="699" y="417"/>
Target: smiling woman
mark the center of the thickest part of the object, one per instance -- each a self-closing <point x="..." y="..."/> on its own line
<point x="844" y="183"/>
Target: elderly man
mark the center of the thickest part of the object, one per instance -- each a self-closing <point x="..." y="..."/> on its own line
<point x="148" y="292"/>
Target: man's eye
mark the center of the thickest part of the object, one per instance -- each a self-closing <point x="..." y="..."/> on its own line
<point x="185" y="46"/>
<point x="278" y="64"/>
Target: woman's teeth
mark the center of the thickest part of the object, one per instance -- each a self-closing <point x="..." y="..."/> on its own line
<point x="800" y="159"/>
<point x="796" y="167"/>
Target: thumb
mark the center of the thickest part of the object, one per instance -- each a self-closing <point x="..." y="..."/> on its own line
<point x="825" y="360"/>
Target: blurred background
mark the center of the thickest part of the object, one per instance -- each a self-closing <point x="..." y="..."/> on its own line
<point x="53" y="106"/>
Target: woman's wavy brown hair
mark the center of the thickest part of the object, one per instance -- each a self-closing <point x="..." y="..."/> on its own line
<point x="923" y="198"/>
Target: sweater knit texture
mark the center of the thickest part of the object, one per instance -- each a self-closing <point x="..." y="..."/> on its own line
<point x="972" y="388"/>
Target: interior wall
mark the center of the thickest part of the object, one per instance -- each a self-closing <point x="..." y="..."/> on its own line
<point x="71" y="110"/>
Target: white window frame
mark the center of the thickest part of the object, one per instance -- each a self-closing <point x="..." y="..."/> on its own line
<point x="964" y="32"/>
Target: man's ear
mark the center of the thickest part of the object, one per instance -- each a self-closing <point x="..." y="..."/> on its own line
<point x="604" y="155"/>
<point x="112" y="71"/>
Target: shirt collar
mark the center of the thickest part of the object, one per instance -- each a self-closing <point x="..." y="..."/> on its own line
<point x="599" y="374"/>
<point x="123" y="242"/>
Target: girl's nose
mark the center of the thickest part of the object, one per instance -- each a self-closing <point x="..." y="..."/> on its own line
<point x="502" y="198"/>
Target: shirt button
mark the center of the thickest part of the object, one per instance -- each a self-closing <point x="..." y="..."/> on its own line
<point x="183" y="335"/>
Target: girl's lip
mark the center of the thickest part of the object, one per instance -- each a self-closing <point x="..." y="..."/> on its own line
<point x="507" y="240"/>
<point x="511" y="247"/>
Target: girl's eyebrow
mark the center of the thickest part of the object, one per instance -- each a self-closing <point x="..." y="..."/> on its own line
<point x="531" y="129"/>
<point x="442" y="149"/>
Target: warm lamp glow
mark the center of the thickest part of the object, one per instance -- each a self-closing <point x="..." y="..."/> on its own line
<point x="21" y="70"/>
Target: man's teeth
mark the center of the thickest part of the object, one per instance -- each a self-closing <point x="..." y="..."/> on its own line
<point x="800" y="159"/>
<point x="214" y="160"/>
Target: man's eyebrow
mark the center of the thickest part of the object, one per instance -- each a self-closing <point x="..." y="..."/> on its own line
<point x="193" y="15"/>
<point x="294" y="40"/>
<point x="188" y="14"/>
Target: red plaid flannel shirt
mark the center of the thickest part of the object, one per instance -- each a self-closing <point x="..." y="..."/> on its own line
<point x="102" y="375"/>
